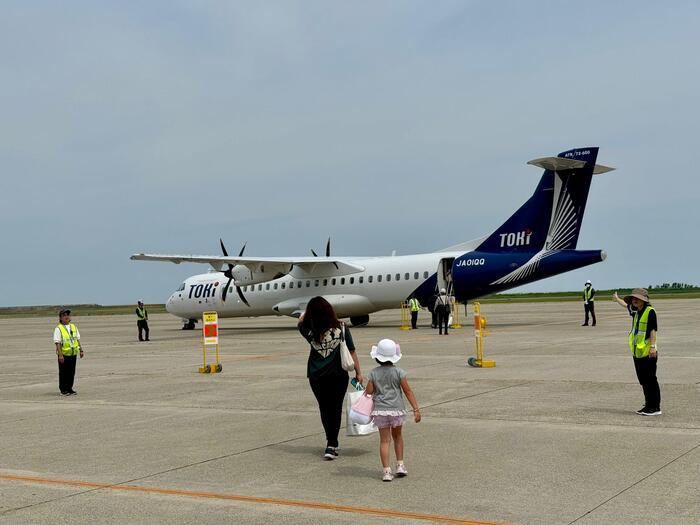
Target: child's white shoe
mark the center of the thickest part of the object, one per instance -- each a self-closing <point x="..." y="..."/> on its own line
<point x="388" y="476"/>
<point x="401" y="470"/>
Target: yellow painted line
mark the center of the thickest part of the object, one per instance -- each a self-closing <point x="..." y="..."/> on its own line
<point x="386" y="513"/>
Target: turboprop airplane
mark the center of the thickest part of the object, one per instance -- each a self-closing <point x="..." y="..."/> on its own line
<point x="537" y="241"/>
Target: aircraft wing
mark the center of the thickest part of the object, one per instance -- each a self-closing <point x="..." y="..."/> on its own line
<point x="308" y="265"/>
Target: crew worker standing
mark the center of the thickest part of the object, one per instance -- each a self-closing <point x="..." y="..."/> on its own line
<point x="642" y="343"/>
<point x="433" y="312"/>
<point x="142" y="321"/>
<point x="67" y="340"/>
<point x="589" y="302"/>
<point x="442" y="308"/>
<point x="414" y="305"/>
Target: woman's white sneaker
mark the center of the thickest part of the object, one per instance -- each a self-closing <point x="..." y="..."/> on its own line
<point x="401" y="471"/>
<point x="388" y="476"/>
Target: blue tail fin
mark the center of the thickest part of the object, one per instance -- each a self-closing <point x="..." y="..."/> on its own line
<point x="550" y="219"/>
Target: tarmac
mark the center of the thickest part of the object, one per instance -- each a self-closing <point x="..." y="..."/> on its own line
<point x="548" y="436"/>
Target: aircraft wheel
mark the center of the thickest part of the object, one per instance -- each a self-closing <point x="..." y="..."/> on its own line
<point x="219" y="368"/>
<point x="359" y="320"/>
<point x="207" y="369"/>
<point x="471" y="361"/>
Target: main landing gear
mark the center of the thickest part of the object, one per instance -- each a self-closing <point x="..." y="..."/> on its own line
<point x="188" y="324"/>
<point x="359" y="320"/>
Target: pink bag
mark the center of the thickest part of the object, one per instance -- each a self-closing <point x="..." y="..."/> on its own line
<point x="361" y="410"/>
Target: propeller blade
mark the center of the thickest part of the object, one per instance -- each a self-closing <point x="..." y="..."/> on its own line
<point x="314" y="253"/>
<point x="328" y="247"/>
<point x="223" y="248"/>
<point x="240" y="294"/>
<point x="225" y="292"/>
<point x="240" y="254"/>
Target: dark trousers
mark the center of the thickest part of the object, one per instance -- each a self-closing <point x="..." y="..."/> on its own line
<point x="66" y="373"/>
<point x="414" y="319"/>
<point x="330" y="393"/>
<point x="443" y="316"/>
<point x="646" y="374"/>
<point x="434" y="320"/>
<point x="142" y="325"/>
<point x="590" y="307"/>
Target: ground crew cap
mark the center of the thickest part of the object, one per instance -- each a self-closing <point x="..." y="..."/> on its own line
<point x="588" y="282"/>
<point x="639" y="293"/>
<point x="63" y="312"/>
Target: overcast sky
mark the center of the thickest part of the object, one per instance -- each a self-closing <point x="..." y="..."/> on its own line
<point x="160" y="126"/>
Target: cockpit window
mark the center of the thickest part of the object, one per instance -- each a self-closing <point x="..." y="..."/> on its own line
<point x="182" y="287"/>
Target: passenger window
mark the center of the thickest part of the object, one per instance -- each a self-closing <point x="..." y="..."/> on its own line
<point x="291" y="285"/>
<point x="333" y="281"/>
<point x="342" y="280"/>
<point x="425" y="275"/>
<point x="298" y="284"/>
<point x="362" y="279"/>
<point x="260" y="288"/>
<point x="370" y="279"/>
<point x="398" y="276"/>
<point x="284" y="285"/>
<point x="325" y="282"/>
<point x="388" y="277"/>
<point x="407" y="276"/>
<point x="379" y="278"/>
<point x="352" y="280"/>
<point x="415" y="275"/>
<point x="267" y="286"/>
<point x="308" y="284"/>
<point x="275" y="286"/>
<point x="316" y="283"/>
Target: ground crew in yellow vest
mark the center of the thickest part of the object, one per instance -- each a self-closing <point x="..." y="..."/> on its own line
<point x="67" y="340"/>
<point x="142" y="321"/>
<point x="642" y="345"/>
<point x="589" y="302"/>
<point x="414" y="306"/>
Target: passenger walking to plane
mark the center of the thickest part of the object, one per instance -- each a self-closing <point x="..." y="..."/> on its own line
<point x="320" y="326"/>
<point x="385" y="384"/>
<point x="589" y="302"/>
<point x="442" y="307"/>
<point x="67" y="340"/>
<point x="414" y="306"/>
<point x="642" y="343"/>
<point x="142" y="321"/>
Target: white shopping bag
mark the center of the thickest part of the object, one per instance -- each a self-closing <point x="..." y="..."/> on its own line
<point x="353" y="429"/>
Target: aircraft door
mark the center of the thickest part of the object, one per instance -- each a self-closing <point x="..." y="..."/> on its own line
<point x="444" y="275"/>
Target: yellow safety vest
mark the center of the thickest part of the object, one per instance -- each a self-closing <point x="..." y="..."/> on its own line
<point x="69" y="342"/>
<point x="639" y="345"/>
<point x="414" y="304"/>
<point x="141" y="313"/>
<point x="588" y="294"/>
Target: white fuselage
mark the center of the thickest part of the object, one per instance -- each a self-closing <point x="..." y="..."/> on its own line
<point x="384" y="283"/>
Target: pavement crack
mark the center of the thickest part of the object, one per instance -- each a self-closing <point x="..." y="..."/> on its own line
<point x="634" y="484"/>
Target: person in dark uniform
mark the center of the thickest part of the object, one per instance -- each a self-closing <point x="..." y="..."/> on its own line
<point x="642" y="343"/>
<point x="442" y="307"/>
<point x="414" y="306"/>
<point x="67" y="340"/>
<point x="589" y="302"/>
<point x="142" y="321"/>
<point x="433" y="312"/>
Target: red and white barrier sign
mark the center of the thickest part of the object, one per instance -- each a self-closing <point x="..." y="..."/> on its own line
<point x="210" y="327"/>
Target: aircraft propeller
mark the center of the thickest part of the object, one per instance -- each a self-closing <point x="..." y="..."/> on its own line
<point x="328" y="252"/>
<point x="228" y="273"/>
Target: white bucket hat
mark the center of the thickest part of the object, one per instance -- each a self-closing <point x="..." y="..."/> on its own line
<point x="386" y="350"/>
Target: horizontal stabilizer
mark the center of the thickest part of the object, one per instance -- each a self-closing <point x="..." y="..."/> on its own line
<point x="561" y="164"/>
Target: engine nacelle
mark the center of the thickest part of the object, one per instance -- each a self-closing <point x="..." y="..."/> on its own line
<point x="243" y="276"/>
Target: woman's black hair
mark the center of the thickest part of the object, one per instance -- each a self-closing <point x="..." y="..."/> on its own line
<point x="319" y="318"/>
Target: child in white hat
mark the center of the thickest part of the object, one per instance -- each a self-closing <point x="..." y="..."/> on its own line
<point x="385" y="384"/>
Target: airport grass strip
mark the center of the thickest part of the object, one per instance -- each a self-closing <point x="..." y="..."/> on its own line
<point x="385" y="513"/>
